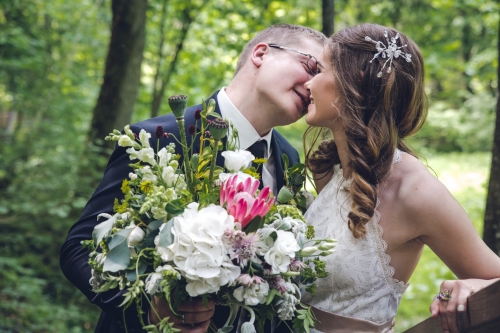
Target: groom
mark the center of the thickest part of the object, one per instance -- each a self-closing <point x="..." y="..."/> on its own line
<point x="267" y="91"/>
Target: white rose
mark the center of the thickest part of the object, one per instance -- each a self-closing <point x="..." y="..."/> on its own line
<point x="136" y="236"/>
<point x="282" y="252"/>
<point x="237" y="160"/>
<point x="256" y="294"/>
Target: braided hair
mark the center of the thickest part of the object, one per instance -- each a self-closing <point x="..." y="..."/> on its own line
<point x="378" y="113"/>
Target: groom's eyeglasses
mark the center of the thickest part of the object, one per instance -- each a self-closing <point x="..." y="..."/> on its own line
<point x="312" y="62"/>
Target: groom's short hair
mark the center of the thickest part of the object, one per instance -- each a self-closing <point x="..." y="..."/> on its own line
<point x="281" y="34"/>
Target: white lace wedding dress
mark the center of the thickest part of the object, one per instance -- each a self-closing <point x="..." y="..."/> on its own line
<point x="360" y="283"/>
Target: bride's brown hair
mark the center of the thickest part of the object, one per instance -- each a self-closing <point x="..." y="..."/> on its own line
<point x="378" y="113"/>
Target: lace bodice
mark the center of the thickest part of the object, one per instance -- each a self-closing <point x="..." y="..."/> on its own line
<point x="360" y="282"/>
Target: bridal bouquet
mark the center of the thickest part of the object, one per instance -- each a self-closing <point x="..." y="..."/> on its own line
<point x="189" y="228"/>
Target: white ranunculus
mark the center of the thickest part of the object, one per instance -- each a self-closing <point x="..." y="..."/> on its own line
<point x="253" y="295"/>
<point x="237" y="160"/>
<point x="282" y="252"/>
<point x="136" y="236"/>
<point x="144" y="137"/>
<point x="146" y="155"/>
<point x="198" y="250"/>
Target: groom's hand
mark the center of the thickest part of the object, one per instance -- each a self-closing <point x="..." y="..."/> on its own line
<point x="194" y="316"/>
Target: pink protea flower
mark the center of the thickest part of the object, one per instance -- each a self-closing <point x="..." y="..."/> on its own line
<point x="240" y="199"/>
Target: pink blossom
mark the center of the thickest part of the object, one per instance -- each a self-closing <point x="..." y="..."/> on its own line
<point x="296" y="265"/>
<point x="248" y="280"/>
<point x="241" y="200"/>
<point x="277" y="283"/>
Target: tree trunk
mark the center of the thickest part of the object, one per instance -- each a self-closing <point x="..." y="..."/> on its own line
<point x="123" y="70"/>
<point x="328" y="7"/>
<point x="491" y="234"/>
<point x="115" y="103"/>
<point x="161" y="85"/>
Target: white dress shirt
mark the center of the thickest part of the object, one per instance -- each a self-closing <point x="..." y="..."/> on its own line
<point x="248" y="136"/>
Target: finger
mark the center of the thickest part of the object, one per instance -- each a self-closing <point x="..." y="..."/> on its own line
<point x="457" y="304"/>
<point x="451" y="315"/>
<point x="195" y="305"/>
<point x="197" y="317"/>
<point x="434" y="308"/>
<point x="443" y="315"/>
<point x="199" y="328"/>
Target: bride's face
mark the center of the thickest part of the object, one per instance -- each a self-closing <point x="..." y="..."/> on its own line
<point x="323" y="110"/>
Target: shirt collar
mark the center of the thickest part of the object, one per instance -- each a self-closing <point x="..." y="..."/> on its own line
<point x="246" y="132"/>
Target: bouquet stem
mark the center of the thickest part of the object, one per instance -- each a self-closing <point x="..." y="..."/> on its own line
<point x="187" y="164"/>
<point x="213" y="161"/>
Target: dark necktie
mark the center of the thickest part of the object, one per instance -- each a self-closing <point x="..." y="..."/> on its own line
<point x="258" y="149"/>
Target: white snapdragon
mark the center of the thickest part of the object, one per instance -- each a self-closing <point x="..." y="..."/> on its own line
<point x="144" y="138"/>
<point x="146" y="155"/>
<point x="147" y="174"/>
<point x="283" y="250"/>
<point x="237" y="160"/>
<point x="164" y="157"/>
<point x="126" y="141"/>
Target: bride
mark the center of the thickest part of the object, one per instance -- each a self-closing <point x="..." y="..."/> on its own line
<point x="375" y="196"/>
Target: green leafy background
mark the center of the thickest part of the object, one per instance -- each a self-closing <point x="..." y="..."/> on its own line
<point x="52" y="55"/>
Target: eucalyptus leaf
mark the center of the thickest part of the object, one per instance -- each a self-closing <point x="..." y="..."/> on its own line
<point x="166" y="236"/>
<point x="103" y="229"/>
<point x="132" y="276"/>
<point x="118" y="258"/>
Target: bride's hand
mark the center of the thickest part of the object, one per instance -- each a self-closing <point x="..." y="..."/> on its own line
<point x="452" y="300"/>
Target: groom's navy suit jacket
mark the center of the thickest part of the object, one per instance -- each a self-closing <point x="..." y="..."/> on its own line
<point x="74" y="258"/>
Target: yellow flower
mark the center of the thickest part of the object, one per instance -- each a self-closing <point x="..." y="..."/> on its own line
<point x="146" y="186"/>
<point x="259" y="160"/>
<point x="120" y="208"/>
<point x="125" y="186"/>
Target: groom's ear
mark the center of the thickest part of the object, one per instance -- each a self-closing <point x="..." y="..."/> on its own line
<point x="258" y="53"/>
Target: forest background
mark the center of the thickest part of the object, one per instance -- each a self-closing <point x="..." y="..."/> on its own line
<point x="56" y="103"/>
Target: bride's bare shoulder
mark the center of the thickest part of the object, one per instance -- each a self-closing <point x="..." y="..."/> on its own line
<point x="418" y="187"/>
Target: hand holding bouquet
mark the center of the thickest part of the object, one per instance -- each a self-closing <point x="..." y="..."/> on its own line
<point x="194" y="229"/>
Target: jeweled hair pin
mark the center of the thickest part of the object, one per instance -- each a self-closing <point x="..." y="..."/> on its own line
<point x="390" y="51"/>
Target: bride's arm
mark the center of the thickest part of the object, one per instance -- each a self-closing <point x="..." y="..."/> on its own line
<point x="445" y="227"/>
